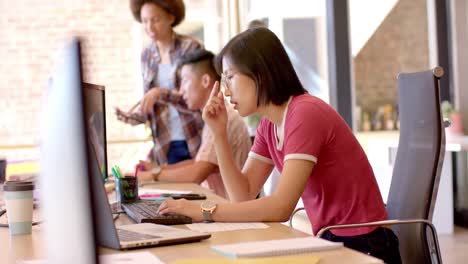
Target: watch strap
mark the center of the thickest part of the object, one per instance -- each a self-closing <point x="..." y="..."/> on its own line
<point x="155" y="172"/>
<point x="207" y="216"/>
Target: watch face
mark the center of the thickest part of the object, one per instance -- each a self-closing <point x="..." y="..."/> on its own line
<point x="156" y="170"/>
<point x="208" y="205"/>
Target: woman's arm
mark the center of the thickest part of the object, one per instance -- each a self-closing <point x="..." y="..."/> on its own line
<point x="275" y="208"/>
<point x="240" y="185"/>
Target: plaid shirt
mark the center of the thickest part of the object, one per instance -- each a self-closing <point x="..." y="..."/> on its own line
<point x="192" y="122"/>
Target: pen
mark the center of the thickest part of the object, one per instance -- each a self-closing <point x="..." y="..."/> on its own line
<point x="137" y="168"/>
<point x="119" y="171"/>
<point x="114" y="171"/>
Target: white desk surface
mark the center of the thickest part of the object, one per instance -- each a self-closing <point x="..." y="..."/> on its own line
<point x="27" y="247"/>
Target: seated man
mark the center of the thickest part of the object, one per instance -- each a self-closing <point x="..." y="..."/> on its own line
<point x="197" y="78"/>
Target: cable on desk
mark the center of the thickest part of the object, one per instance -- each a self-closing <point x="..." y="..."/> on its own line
<point x="115" y="215"/>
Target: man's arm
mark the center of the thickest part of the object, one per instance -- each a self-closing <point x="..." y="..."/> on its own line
<point x="195" y="172"/>
<point x="179" y="164"/>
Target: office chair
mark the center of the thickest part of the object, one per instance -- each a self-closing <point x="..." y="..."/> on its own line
<point x="417" y="169"/>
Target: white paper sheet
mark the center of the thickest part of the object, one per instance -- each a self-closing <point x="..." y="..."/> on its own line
<point x="128" y="258"/>
<point x="121" y="258"/>
<point x="219" y="227"/>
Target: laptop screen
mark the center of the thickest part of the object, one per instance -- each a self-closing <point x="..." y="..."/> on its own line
<point x="95" y="124"/>
<point x="95" y="116"/>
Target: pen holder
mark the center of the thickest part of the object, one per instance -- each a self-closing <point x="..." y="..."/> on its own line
<point x="126" y="189"/>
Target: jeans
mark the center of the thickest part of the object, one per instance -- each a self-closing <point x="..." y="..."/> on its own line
<point x="178" y="151"/>
<point x="381" y="243"/>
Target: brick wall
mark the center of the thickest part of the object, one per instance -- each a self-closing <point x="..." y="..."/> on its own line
<point x="400" y="44"/>
<point x="31" y="33"/>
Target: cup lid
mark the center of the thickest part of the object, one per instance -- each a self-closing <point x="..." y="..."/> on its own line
<point x="13" y="186"/>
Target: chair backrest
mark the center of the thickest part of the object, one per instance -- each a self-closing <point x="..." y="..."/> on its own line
<point x="418" y="162"/>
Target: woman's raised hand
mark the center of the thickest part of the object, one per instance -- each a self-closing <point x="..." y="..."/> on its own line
<point x="214" y="112"/>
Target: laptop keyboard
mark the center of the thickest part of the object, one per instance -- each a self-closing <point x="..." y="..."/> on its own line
<point x="146" y="212"/>
<point x="128" y="236"/>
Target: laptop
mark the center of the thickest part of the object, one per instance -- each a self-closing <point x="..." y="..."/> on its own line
<point x="76" y="208"/>
<point x="141" y="211"/>
<point x="130" y="236"/>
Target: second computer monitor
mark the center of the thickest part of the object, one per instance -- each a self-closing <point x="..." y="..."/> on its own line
<point x="95" y="116"/>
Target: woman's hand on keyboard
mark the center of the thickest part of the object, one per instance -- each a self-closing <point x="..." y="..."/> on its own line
<point x="183" y="207"/>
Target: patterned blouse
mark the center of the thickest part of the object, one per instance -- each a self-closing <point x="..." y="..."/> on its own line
<point x="192" y="122"/>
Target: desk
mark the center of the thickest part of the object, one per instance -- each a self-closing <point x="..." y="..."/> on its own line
<point x="31" y="246"/>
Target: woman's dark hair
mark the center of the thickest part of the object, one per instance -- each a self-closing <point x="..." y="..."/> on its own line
<point x="259" y="54"/>
<point x="173" y="7"/>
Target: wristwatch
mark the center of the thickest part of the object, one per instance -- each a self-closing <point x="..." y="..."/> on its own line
<point x="208" y="207"/>
<point x="155" y="171"/>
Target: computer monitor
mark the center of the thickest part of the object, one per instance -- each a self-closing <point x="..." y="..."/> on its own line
<point x="65" y="174"/>
<point x="95" y="116"/>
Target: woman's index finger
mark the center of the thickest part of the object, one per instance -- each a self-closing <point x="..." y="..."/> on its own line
<point x="215" y="90"/>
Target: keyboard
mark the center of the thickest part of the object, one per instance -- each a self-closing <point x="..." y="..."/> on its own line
<point x="146" y="212"/>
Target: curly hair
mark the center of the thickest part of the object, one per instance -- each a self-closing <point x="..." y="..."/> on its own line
<point x="173" y="7"/>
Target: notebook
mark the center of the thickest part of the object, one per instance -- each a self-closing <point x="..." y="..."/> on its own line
<point x="307" y="259"/>
<point x="275" y="247"/>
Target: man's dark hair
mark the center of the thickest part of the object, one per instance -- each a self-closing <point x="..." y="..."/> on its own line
<point x="201" y="59"/>
<point x="259" y="54"/>
<point x="173" y="7"/>
<point x="256" y="23"/>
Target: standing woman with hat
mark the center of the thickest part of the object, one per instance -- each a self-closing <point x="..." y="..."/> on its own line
<point x="175" y="130"/>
